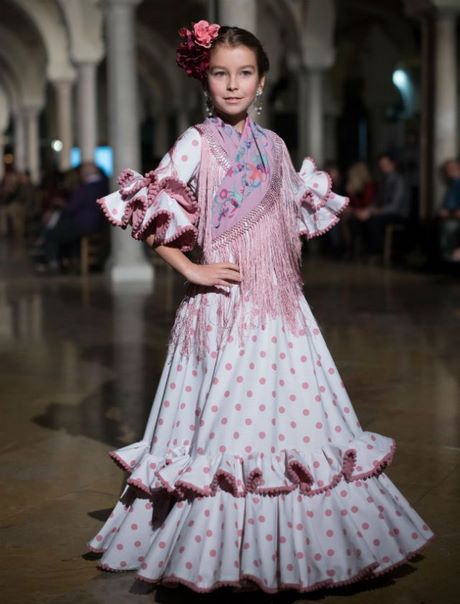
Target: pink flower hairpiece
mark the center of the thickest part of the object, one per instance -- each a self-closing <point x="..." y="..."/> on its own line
<point x="192" y="53"/>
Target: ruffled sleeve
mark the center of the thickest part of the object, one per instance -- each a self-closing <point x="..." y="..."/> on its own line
<point x="162" y="202"/>
<point x="318" y="206"/>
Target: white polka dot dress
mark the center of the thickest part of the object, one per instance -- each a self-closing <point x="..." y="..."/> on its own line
<point x="253" y="467"/>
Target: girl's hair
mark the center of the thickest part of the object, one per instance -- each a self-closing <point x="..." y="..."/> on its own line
<point x="236" y="36"/>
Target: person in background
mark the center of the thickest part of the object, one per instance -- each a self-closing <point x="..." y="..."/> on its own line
<point x="361" y="189"/>
<point x="391" y="205"/>
<point x="333" y="240"/>
<point x="10" y="210"/>
<point x="27" y="197"/>
<point x="449" y="212"/>
<point x="80" y="216"/>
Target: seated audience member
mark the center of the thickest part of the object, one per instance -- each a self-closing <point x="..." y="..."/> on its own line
<point x="333" y="240"/>
<point x="10" y="208"/>
<point x="449" y="212"/>
<point x="27" y="197"/>
<point x="391" y="205"/>
<point x="361" y="189"/>
<point x="80" y="216"/>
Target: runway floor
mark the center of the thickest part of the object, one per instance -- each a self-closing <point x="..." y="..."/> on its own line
<point x="79" y="367"/>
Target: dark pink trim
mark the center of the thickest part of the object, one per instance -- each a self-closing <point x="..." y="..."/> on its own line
<point x="308" y="479"/>
<point x="125" y="177"/>
<point x="180" y="487"/>
<point x="96" y="550"/>
<point x="408" y="556"/>
<point x="335" y="220"/>
<point x="120" y="462"/>
<point x="367" y="573"/>
<point x="327" y="583"/>
<point x="351" y="457"/>
<point x="101" y="201"/>
<point x="308" y="195"/>
<point x="138" y="484"/>
<point x="187" y="232"/>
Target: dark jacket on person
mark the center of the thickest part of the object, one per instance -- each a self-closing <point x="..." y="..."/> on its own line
<point x="393" y="195"/>
<point x="82" y="208"/>
<point x="451" y="199"/>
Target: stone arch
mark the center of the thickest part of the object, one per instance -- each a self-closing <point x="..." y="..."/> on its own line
<point x="84" y="21"/>
<point x="47" y="19"/>
<point x="157" y="49"/>
<point x="29" y="75"/>
<point x="11" y="85"/>
<point x="5" y="109"/>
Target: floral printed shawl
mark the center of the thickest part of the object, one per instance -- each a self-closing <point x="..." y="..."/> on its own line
<point x="247" y="179"/>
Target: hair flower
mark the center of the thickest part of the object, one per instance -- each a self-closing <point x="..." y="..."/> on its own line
<point x="205" y="32"/>
<point x="192" y="54"/>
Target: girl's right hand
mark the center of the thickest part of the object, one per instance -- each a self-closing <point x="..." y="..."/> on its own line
<point x="219" y="273"/>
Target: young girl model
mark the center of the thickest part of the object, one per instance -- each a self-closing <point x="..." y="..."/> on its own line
<point x="253" y="469"/>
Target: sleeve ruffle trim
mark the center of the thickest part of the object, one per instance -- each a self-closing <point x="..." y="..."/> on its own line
<point x="320" y="207"/>
<point x="312" y="472"/>
<point x="166" y="208"/>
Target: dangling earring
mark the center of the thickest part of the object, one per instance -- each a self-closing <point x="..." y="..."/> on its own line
<point x="208" y="106"/>
<point x="258" y="103"/>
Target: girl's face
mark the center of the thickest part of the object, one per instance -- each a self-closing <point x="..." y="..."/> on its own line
<point x="233" y="81"/>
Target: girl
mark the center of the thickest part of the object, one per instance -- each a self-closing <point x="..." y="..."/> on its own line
<point x="253" y="469"/>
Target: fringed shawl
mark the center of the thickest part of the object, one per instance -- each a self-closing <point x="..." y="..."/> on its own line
<point x="265" y="244"/>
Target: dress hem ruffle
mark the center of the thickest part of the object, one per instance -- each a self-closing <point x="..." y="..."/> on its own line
<point x="369" y="572"/>
<point x="312" y="473"/>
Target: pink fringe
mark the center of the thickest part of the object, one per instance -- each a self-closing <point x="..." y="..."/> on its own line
<point x="265" y="245"/>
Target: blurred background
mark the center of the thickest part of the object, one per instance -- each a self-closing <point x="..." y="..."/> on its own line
<point x="86" y="81"/>
<point x="369" y="89"/>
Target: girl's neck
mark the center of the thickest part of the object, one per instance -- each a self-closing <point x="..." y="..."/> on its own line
<point x="237" y="121"/>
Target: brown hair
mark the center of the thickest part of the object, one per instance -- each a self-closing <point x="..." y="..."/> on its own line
<point x="236" y="36"/>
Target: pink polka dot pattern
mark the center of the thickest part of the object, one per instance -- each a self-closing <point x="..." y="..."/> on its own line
<point x="256" y="449"/>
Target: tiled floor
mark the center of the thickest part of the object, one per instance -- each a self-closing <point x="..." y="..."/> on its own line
<point x="79" y="364"/>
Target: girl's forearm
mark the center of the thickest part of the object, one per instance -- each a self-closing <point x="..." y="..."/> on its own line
<point x="172" y="256"/>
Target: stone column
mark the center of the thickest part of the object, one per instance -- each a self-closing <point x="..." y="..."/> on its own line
<point x="446" y="110"/>
<point x="65" y="122"/>
<point x="19" y="141"/>
<point x="318" y="55"/>
<point x="127" y="262"/>
<point x="242" y="13"/>
<point x="32" y="143"/>
<point x="310" y="112"/>
<point x="86" y="109"/>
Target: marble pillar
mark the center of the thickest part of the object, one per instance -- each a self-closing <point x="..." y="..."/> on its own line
<point x="310" y="114"/>
<point x="243" y="13"/>
<point x="32" y="143"/>
<point x="127" y="262"/>
<point x="20" y="141"/>
<point x="446" y="110"/>
<point x="86" y="109"/>
<point x="64" y="120"/>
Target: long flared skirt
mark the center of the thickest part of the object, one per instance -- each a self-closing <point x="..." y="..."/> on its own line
<point x="254" y="468"/>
